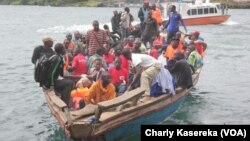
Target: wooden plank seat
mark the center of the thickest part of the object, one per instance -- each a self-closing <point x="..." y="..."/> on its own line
<point x="130" y="96"/>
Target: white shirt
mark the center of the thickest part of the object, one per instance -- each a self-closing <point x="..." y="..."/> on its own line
<point x="143" y="60"/>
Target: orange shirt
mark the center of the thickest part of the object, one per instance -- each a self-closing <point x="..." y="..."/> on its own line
<point x="169" y="53"/>
<point x="156" y="14"/>
<point x="97" y="93"/>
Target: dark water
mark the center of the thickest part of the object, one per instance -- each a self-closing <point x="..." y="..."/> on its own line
<point x="222" y="94"/>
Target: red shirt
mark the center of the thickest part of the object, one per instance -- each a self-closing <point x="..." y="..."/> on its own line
<point x="109" y="59"/>
<point x="125" y="63"/>
<point x="117" y="76"/>
<point x="154" y="53"/>
<point x="199" y="49"/>
<point x="79" y="64"/>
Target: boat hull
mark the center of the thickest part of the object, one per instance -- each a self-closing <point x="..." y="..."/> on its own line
<point x="133" y="127"/>
<point x="206" y="20"/>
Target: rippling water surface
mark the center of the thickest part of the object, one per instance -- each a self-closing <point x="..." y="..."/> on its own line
<point x="222" y="95"/>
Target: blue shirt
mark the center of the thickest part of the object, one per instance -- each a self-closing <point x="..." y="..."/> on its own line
<point x="173" y="23"/>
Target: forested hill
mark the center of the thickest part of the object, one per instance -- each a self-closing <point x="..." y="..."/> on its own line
<point x="94" y="3"/>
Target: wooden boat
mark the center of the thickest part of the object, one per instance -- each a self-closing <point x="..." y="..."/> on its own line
<point x="199" y="12"/>
<point x="117" y="118"/>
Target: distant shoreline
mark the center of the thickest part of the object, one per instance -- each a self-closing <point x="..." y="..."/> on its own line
<point x="93" y="3"/>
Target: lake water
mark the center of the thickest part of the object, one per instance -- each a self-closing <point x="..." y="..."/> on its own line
<point x="222" y="95"/>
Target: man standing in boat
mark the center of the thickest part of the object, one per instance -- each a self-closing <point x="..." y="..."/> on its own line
<point x="44" y="49"/>
<point x="173" y="24"/>
<point x="96" y="38"/>
<point x="143" y="14"/>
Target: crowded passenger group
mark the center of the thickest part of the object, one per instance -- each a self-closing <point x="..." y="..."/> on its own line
<point x="102" y="64"/>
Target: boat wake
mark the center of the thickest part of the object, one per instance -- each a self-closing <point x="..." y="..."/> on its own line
<point x="230" y="23"/>
<point x="72" y="28"/>
<point x="63" y="29"/>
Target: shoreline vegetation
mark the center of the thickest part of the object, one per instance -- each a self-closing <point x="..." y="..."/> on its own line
<point x="102" y="3"/>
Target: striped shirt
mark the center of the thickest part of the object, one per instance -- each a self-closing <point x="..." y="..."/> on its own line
<point x="95" y="40"/>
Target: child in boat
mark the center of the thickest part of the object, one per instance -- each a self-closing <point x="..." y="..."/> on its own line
<point x="96" y="72"/>
<point x="119" y="77"/>
<point x="80" y="95"/>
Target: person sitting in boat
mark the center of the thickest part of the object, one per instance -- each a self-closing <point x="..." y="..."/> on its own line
<point x="109" y="58"/>
<point x="181" y="71"/>
<point x="96" y="72"/>
<point x="80" y="95"/>
<point x="175" y="45"/>
<point x="99" y="53"/>
<point x="150" y="68"/>
<point x="139" y="47"/>
<point x="68" y="57"/>
<point x="130" y="43"/>
<point x="155" y="51"/>
<point x="79" y="63"/>
<point x="194" y="59"/>
<point x="125" y="59"/>
<point x="200" y="45"/>
<point x="55" y="78"/>
<point x="77" y="39"/>
<point x="44" y="49"/>
<point x="119" y="77"/>
<point x="102" y="90"/>
<point x="71" y="43"/>
<point x="172" y="25"/>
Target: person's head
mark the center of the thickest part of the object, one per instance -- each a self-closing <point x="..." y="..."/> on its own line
<point x="48" y="41"/>
<point x="98" y="64"/>
<point x="118" y="52"/>
<point x="77" y="35"/>
<point x="115" y="13"/>
<point x="178" y="55"/>
<point x="84" y="83"/>
<point x="96" y="25"/>
<point x="173" y="8"/>
<point x="137" y="43"/>
<point x="100" y="51"/>
<point x="146" y="4"/>
<point x="127" y="53"/>
<point x="69" y="36"/>
<point x="157" y="44"/>
<point x="178" y="35"/>
<point x="66" y="43"/>
<point x="191" y="47"/>
<point x="59" y="49"/>
<point x="117" y="63"/>
<point x="77" y="51"/>
<point x="131" y="40"/>
<point x="106" y="79"/>
<point x="174" y="43"/>
<point x="126" y="9"/>
<point x="83" y="38"/>
<point x="106" y="27"/>
<point x="194" y="35"/>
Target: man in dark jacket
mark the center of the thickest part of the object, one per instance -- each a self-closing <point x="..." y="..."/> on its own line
<point x="42" y="50"/>
<point x="115" y="23"/>
<point x="181" y="71"/>
<point x="143" y="14"/>
<point x="55" y="78"/>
